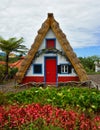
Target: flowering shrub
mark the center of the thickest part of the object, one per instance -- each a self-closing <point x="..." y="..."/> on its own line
<point x="36" y="116"/>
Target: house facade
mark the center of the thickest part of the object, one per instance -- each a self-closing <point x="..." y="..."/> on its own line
<point x="50" y="65"/>
<point x="51" y="59"/>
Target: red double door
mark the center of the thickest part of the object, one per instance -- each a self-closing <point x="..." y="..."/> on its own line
<point x="51" y="70"/>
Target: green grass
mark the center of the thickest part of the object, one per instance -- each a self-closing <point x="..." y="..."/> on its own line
<point x="93" y="73"/>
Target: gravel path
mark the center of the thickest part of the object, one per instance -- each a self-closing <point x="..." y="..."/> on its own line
<point x="95" y="78"/>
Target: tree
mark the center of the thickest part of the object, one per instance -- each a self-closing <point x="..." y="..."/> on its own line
<point x="11" y="45"/>
<point x="88" y="62"/>
<point x="2" y="70"/>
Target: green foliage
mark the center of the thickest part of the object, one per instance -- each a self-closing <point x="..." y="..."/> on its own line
<point x="14" y="59"/>
<point x="11" y="45"/>
<point x="81" y="98"/>
<point x="88" y="62"/>
<point x="2" y="58"/>
<point x="3" y="99"/>
<point x="11" y="73"/>
<point x="2" y="70"/>
<point x="40" y="124"/>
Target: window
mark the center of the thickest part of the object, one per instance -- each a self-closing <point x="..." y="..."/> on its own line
<point x="50" y="43"/>
<point x="37" y="68"/>
<point x="64" y="68"/>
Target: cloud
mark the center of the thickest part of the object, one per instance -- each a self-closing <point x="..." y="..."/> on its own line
<point x="79" y="20"/>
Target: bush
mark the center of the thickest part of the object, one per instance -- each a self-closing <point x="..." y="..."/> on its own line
<point x="82" y="98"/>
<point x="3" y="99"/>
<point x="12" y="72"/>
<point x="2" y="71"/>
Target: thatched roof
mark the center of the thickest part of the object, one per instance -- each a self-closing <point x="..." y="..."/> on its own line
<point x="50" y="22"/>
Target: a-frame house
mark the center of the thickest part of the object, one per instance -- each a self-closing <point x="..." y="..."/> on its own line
<point x="51" y="59"/>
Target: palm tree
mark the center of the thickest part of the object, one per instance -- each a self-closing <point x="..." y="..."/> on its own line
<point x="11" y="45"/>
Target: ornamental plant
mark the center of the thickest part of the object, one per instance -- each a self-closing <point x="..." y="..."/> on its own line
<point x="36" y="116"/>
<point x="84" y="99"/>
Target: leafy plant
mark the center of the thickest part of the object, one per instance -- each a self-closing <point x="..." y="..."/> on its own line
<point x="82" y="98"/>
<point x="11" y="45"/>
<point x="88" y="63"/>
<point x="46" y="117"/>
<point x="3" y="99"/>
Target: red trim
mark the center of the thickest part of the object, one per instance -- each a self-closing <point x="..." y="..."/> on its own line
<point x="41" y="79"/>
<point x="68" y="78"/>
<point x="33" y="79"/>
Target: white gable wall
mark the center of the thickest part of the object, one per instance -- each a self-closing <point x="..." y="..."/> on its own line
<point x="40" y="59"/>
<point x="50" y="35"/>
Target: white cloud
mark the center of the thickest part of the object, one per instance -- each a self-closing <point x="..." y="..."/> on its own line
<point x="79" y="20"/>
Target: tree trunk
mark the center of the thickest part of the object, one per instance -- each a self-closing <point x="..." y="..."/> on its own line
<point x="6" y="66"/>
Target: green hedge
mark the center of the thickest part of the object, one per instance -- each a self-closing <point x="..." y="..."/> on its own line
<point x="84" y="99"/>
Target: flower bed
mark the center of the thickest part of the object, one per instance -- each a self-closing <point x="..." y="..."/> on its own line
<point x="36" y="116"/>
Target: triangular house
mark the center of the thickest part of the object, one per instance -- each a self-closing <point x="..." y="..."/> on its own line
<point x="51" y="58"/>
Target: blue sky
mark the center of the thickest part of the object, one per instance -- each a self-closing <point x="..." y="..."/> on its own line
<point x="88" y="51"/>
<point x="78" y="19"/>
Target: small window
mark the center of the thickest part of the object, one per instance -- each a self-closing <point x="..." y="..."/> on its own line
<point x="37" y="68"/>
<point x="64" y="68"/>
<point x="50" y="43"/>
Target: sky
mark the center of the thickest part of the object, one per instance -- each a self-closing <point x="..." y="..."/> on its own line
<point x="79" y="20"/>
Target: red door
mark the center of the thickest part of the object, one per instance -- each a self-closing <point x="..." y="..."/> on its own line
<point x="51" y="71"/>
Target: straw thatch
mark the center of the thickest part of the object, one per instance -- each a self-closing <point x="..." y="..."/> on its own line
<point x="53" y="24"/>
